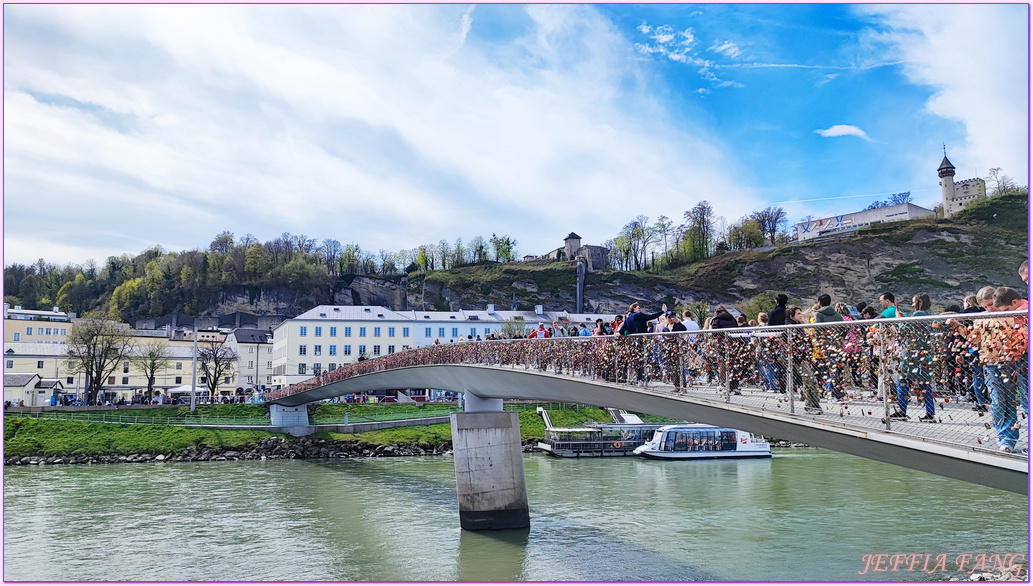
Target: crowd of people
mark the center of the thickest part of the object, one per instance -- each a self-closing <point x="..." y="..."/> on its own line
<point x="836" y="351"/>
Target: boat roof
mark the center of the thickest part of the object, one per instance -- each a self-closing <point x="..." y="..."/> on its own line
<point x="692" y="426"/>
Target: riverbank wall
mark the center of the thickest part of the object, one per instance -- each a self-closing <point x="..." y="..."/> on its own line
<point x="273" y="448"/>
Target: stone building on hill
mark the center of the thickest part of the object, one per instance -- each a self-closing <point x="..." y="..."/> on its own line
<point x="958" y="194"/>
<point x="596" y="257"/>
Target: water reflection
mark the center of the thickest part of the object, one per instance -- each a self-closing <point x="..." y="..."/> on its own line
<point x="492" y="556"/>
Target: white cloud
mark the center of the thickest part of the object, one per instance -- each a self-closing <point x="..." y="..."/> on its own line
<point x="380" y="125"/>
<point x="975" y="58"/>
<point x="727" y="48"/>
<point x="843" y="130"/>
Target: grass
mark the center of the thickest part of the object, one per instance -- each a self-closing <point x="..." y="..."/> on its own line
<point x="31" y="437"/>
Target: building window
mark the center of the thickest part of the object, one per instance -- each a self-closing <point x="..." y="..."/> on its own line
<point x="28" y="331"/>
<point x="317" y="368"/>
<point x="250" y="379"/>
<point x="426" y="332"/>
<point x="111" y="380"/>
<point x="204" y="380"/>
<point x="390" y="332"/>
<point x="317" y="350"/>
<point x="302" y="369"/>
<point x="473" y="331"/>
<point x="347" y="350"/>
<point x="376" y="332"/>
<point x="455" y="332"/>
<point x="179" y="366"/>
<point x="226" y="380"/>
<point x="125" y="380"/>
<point x="376" y="349"/>
<point x="10" y="364"/>
<point x="405" y="332"/>
<point x="179" y="380"/>
<point x="333" y="331"/>
<point x="362" y="332"/>
<point x="302" y="350"/>
<point x="125" y="366"/>
<point x="303" y="331"/>
<point x="347" y="332"/>
<point x="333" y="350"/>
<point x="268" y="363"/>
<point x="250" y="363"/>
<point x="319" y="330"/>
<point x="250" y="349"/>
<point x="39" y="364"/>
<point x="268" y="379"/>
<point x="441" y="332"/>
<point x="17" y="336"/>
<point x="69" y="380"/>
<point x="390" y="349"/>
<point x="64" y="332"/>
<point x="362" y="349"/>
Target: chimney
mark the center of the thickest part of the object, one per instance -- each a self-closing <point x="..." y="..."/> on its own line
<point x="491" y="308"/>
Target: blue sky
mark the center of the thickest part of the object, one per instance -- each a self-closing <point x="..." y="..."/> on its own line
<point x="393" y="126"/>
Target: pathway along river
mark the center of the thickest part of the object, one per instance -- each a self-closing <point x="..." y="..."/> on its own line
<point x="803" y="515"/>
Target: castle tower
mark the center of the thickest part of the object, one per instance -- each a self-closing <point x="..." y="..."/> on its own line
<point x="571" y="244"/>
<point x="946" y="172"/>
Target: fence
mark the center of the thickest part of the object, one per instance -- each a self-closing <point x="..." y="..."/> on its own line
<point x="965" y="374"/>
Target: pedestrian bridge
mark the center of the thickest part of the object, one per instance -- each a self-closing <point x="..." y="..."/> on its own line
<point x="733" y="378"/>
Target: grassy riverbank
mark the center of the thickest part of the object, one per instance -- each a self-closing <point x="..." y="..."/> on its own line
<point x="40" y="437"/>
<point x="32" y="437"/>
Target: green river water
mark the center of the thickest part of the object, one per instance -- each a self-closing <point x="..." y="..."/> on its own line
<point x="805" y="514"/>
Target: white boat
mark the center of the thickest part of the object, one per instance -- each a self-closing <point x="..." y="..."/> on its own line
<point x="696" y="441"/>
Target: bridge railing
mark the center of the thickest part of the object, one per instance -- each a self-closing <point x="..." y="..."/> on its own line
<point x="965" y="374"/>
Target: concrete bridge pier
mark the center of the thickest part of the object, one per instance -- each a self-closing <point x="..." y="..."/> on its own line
<point x="294" y="420"/>
<point x="489" y="465"/>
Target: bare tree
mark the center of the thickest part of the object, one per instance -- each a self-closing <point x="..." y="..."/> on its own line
<point x="216" y="361"/>
<point x="150" y="357"/>
<point x="999" y="182"/>
<point x="330" y="250"/>
<point x="770" y="220"/>
<point x="96" y="347"/>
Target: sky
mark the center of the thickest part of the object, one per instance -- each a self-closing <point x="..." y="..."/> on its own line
<point x="392" y="126"/>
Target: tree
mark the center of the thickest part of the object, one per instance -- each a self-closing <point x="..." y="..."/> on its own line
<point x="771" y="220"/>
<point x="222" y="243"/>
<point x="663" y="228"/>
<point x="515" y="327"/>
<point x="478" y="249"/>
<point x="215" y="361"/>
<point x="150" y="357"/>
<point x="504" y="248"/>
<point x="96" y="347"/>
<point x="1000" y="183"/>
<point x="330" y="250"/>
<point x="899" y="198"/>
<point x="700" y="233"/>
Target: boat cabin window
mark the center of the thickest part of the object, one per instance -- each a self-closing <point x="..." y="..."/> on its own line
<point x="699" y="440"/>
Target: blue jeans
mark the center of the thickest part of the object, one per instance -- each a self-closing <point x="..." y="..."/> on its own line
<point x="904" y="386"/>
<point x="978" y="384"/>
<point x="1005" y="381"/>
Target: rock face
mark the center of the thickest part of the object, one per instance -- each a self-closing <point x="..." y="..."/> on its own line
<point x="944" y="259"/>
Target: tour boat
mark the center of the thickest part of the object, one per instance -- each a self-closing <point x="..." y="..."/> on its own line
<point x="596" y="440"/>
<point x="696" y="441"/>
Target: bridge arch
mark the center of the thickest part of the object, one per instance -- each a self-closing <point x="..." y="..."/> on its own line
<point x="494" y="382"/>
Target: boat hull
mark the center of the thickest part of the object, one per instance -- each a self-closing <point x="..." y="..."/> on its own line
<point x="658" y="455"/>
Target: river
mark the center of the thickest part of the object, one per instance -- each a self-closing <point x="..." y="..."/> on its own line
<point x="805" y="514"/>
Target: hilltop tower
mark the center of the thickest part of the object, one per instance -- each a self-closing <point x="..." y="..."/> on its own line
<point x="957" y="195"/>
<point x="571" y="244"/>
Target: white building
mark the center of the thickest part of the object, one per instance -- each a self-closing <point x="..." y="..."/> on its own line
<point x="847" y="222"/>
<point x="254" y="351"/>
<point x="31" y="325"/>
<point x="957" y="195"/>
<point x="329" y="336"/>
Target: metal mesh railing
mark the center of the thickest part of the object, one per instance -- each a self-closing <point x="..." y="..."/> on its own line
<point x="960" y="379"/>
<point x="131" y="418"/>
